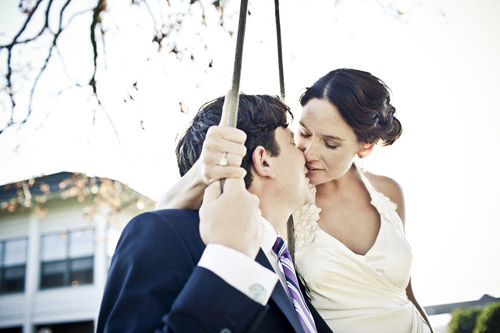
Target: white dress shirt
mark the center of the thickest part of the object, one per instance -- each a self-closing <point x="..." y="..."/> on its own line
<point x="243" y="273"/>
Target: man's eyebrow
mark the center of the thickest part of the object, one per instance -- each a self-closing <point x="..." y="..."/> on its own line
<point x="333" y="137"/>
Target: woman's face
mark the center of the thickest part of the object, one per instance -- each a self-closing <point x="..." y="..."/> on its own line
<point x="329" y="144"/>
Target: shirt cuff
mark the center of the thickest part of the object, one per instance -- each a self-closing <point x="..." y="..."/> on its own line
<point x="239" y="271"/>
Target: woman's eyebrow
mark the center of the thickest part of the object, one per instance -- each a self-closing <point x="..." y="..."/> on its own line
<point x="333" y="137"/>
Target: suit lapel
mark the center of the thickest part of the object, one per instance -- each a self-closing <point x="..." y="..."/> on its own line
<point x="279" y="295"/>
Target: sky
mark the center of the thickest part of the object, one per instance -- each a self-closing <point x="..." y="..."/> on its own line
<point x="439" y="57"/>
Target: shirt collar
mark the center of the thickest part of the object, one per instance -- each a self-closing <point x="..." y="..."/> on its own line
<point x="269" y="236"/>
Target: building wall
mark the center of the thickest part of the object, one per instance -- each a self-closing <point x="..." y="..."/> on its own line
<point x="35" y="306"/>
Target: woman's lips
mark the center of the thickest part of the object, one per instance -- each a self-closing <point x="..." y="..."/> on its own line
<point x="312" y="170"/>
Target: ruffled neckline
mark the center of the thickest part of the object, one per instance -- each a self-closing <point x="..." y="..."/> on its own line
<point x="306" y="218"/>
<point x="306" y="222"/>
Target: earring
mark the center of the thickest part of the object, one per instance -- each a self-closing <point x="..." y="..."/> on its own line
<point x="360" y="163"/>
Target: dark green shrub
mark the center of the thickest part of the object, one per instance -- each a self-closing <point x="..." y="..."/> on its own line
<point x="488" y="320"/>
<point x="463" y="320"/>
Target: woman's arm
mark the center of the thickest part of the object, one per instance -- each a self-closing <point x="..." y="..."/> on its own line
<point x="187" y="193"/>
<point x="396" y="194"/>
<point x="394" y="191"/>
<point x="411" y="297"/>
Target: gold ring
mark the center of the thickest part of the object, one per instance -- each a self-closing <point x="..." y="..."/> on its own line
<point x="223" y="160"/>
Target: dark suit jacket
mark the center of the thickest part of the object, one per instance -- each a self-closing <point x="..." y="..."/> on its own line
<point x="154" y="284"/>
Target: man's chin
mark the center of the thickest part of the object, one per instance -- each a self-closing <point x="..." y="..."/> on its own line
<point x="308" y="196"/>
<point x="309" y="199"/>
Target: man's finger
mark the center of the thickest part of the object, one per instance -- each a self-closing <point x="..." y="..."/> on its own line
<point x="225" y="110"/>
<point x="233" y="134"/>
<point x="234" y="184"/>
<point x="212" y="192"/>
<point x="229" y="172"/>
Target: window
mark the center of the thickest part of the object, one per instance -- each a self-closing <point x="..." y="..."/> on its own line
<point x="67" y="259"/>
<point x="77" y="327"/>
<point x="12" y="265"/>
<point x="11" y="330"/>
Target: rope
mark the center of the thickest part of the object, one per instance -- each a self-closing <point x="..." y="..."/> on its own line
<point x="280" y="55"/>
<point x="234" y="98"/>
<point x="235" y="88"/>
<point x="289" y="225"/>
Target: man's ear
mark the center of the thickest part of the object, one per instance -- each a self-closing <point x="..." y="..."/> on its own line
<point x="366" y="149"/>
<point x="262" y="163"/>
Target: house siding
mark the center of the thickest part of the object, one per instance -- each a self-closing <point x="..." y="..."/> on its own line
<point x="35" y="307"/>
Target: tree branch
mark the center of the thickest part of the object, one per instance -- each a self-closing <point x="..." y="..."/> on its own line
<point x="96" y="20"/>
<point x="167" y="25"/>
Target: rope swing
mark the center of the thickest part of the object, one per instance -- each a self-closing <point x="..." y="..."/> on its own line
<point x="234" y="96"/>
<point x="280" y="55"/>
<point x="235" y="87"/>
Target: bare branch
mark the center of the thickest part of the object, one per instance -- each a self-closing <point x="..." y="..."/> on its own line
<point x="96" y="20"/>
<point x="23" y="28"/>
<point x="9" y="61"/>
<point x="9" y="48"/>
<point x="167" y="26"/>
<point x="42" y="69"/>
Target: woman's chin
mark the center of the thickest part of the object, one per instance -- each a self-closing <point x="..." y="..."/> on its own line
<point x="313" y="179"/>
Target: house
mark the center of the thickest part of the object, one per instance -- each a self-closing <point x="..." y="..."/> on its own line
<point x="57" y="236"/>
<point x="440" y="315"/>
<point x="448" y="308"/>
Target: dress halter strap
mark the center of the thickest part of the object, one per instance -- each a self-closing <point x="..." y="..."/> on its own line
<point x="366" y="182"/>
<point x="379" y="200"/>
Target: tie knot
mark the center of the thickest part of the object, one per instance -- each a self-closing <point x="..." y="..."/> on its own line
<point x="280" y="248"/>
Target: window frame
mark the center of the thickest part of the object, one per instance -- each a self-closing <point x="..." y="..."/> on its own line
<point x="67" y="272"/>
<point x="4" y="268"/>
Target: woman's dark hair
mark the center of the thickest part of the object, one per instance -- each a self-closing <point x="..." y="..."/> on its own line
<point x="258" y="117"/>
<point x="363" y="100"/>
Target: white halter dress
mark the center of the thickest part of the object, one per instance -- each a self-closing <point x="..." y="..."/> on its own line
<point x="358" y="293"/>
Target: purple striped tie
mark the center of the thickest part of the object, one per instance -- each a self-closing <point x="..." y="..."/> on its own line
<point x="305" y="317"/>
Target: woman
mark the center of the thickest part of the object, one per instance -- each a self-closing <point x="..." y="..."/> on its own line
<point x="350" y="244"/>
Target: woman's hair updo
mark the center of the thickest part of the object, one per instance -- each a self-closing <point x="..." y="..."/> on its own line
<point x="363" y="100"/>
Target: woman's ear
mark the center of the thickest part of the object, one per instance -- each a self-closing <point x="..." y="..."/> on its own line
<point x="262" y="163"/>
<point x="366" y="149"/>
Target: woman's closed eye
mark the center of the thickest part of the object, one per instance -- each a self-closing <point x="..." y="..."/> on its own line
<point x="331" y="145"/>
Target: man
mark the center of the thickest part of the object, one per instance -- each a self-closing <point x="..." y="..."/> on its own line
<point x="163" y="277"/>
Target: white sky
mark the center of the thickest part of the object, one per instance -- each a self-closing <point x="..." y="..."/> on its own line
<point x="441" y="60"/>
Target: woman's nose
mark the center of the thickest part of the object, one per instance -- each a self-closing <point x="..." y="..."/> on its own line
<point x="300" y="144"/>
<point x="310" y="151"/>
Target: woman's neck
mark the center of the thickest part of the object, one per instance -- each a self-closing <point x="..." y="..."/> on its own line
<point x="340" y="184"/>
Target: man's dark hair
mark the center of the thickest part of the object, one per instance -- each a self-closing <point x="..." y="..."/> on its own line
<point x="258" y="117"/>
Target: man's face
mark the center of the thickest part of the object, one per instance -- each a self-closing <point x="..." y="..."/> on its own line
<point x="291" y="182"/>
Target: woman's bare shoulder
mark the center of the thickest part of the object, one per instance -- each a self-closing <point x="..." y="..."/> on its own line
<point x="390" y="188"/>
<point x="384" y="184"/>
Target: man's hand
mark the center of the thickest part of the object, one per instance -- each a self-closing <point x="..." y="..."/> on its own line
<point x="231" y="218"/>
